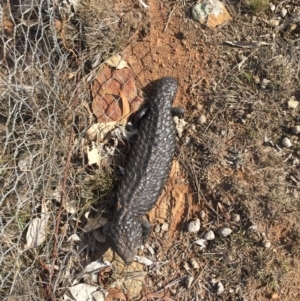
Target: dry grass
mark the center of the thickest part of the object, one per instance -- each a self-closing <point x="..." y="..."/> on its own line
<point x="43" y="149"/>
<point x="238" y="161"/>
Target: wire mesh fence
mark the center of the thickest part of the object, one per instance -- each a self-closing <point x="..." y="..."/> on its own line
<point x="48" y="50"/>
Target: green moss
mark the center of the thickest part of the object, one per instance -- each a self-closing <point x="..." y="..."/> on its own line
<point x="258" y="6"/>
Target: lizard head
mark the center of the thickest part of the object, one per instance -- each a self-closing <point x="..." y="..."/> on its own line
<point x="124" y="238"/>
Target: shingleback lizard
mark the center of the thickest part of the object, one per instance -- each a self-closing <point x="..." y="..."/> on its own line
<point x="146" y="172"/>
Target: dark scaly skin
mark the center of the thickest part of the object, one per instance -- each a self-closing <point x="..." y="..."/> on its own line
<point x="146" y="172"/>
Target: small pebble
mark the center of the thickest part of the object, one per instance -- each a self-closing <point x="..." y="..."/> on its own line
<point x="201" y="119"/>
<point x="274" y="22"/>
<point x="256" y="79"/>
<point x="293" y="103"/>
<point x="264" y="83"/>
<point x="194" y="226"/>
<point x="223" y="232"/>
<point x="165" y="227"/>
<point x="293" y="27"/>
<point x="188" y="140"/>
<point x="272" y="7"/>
<point x="253" y="228"/>
<point x="194" y="263"/>
<point x="235" y="217"/>
<point x="296" y="129"/>
<point x="202" y="214"/>
<point x="283" y="12"/>
<point x="209" y="235"/>
<point x="286" y="142"/>
<point x="220" y="288"/>
<point x="266" y="244"/>
<point x="199" y="106"/>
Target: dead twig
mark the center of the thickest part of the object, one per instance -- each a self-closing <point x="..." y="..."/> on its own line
<point x="169" y="18"/>
<point x="50" y="289"/>
<point x="241" y="44"/>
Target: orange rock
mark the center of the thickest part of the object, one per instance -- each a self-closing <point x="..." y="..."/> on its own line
<point x="210" y="13"/>
<point x="215" y="19"/>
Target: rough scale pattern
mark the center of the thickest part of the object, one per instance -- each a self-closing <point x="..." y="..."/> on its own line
<point x="146" y="172"/>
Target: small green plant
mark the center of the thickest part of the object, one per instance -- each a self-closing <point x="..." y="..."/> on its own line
<point x="258" y="6"/>
<point x="248" y="78"/>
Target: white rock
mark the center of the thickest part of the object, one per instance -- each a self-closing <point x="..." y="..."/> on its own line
<point x="256" y="79"/>
<point x="223" y="232"/>
<point x="210" y="13"/>
<point x="286" y="142"/>
<point x="235" y="217"/>
<point x="283" y="12"/>
<point x="293" y="103"/>
<point x="165" y="227"/>
<point x="202" y="214"/>
<point x="194" y="263"/>
<point x="296" y="129"/>
<point x="264" y="83"/>
<point x="274" y="22"/>
<point x="266" y="244"/>
<point x="194" y="226"/>
<point x="202" y="119"/>
<point x="209" y="235"/>
<point x="272" y="7"/>
<point x="188" y="140"/>
<point x="253" y="228"/>
<point x="293" y="26"/>
<point x="220" y="288"/>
